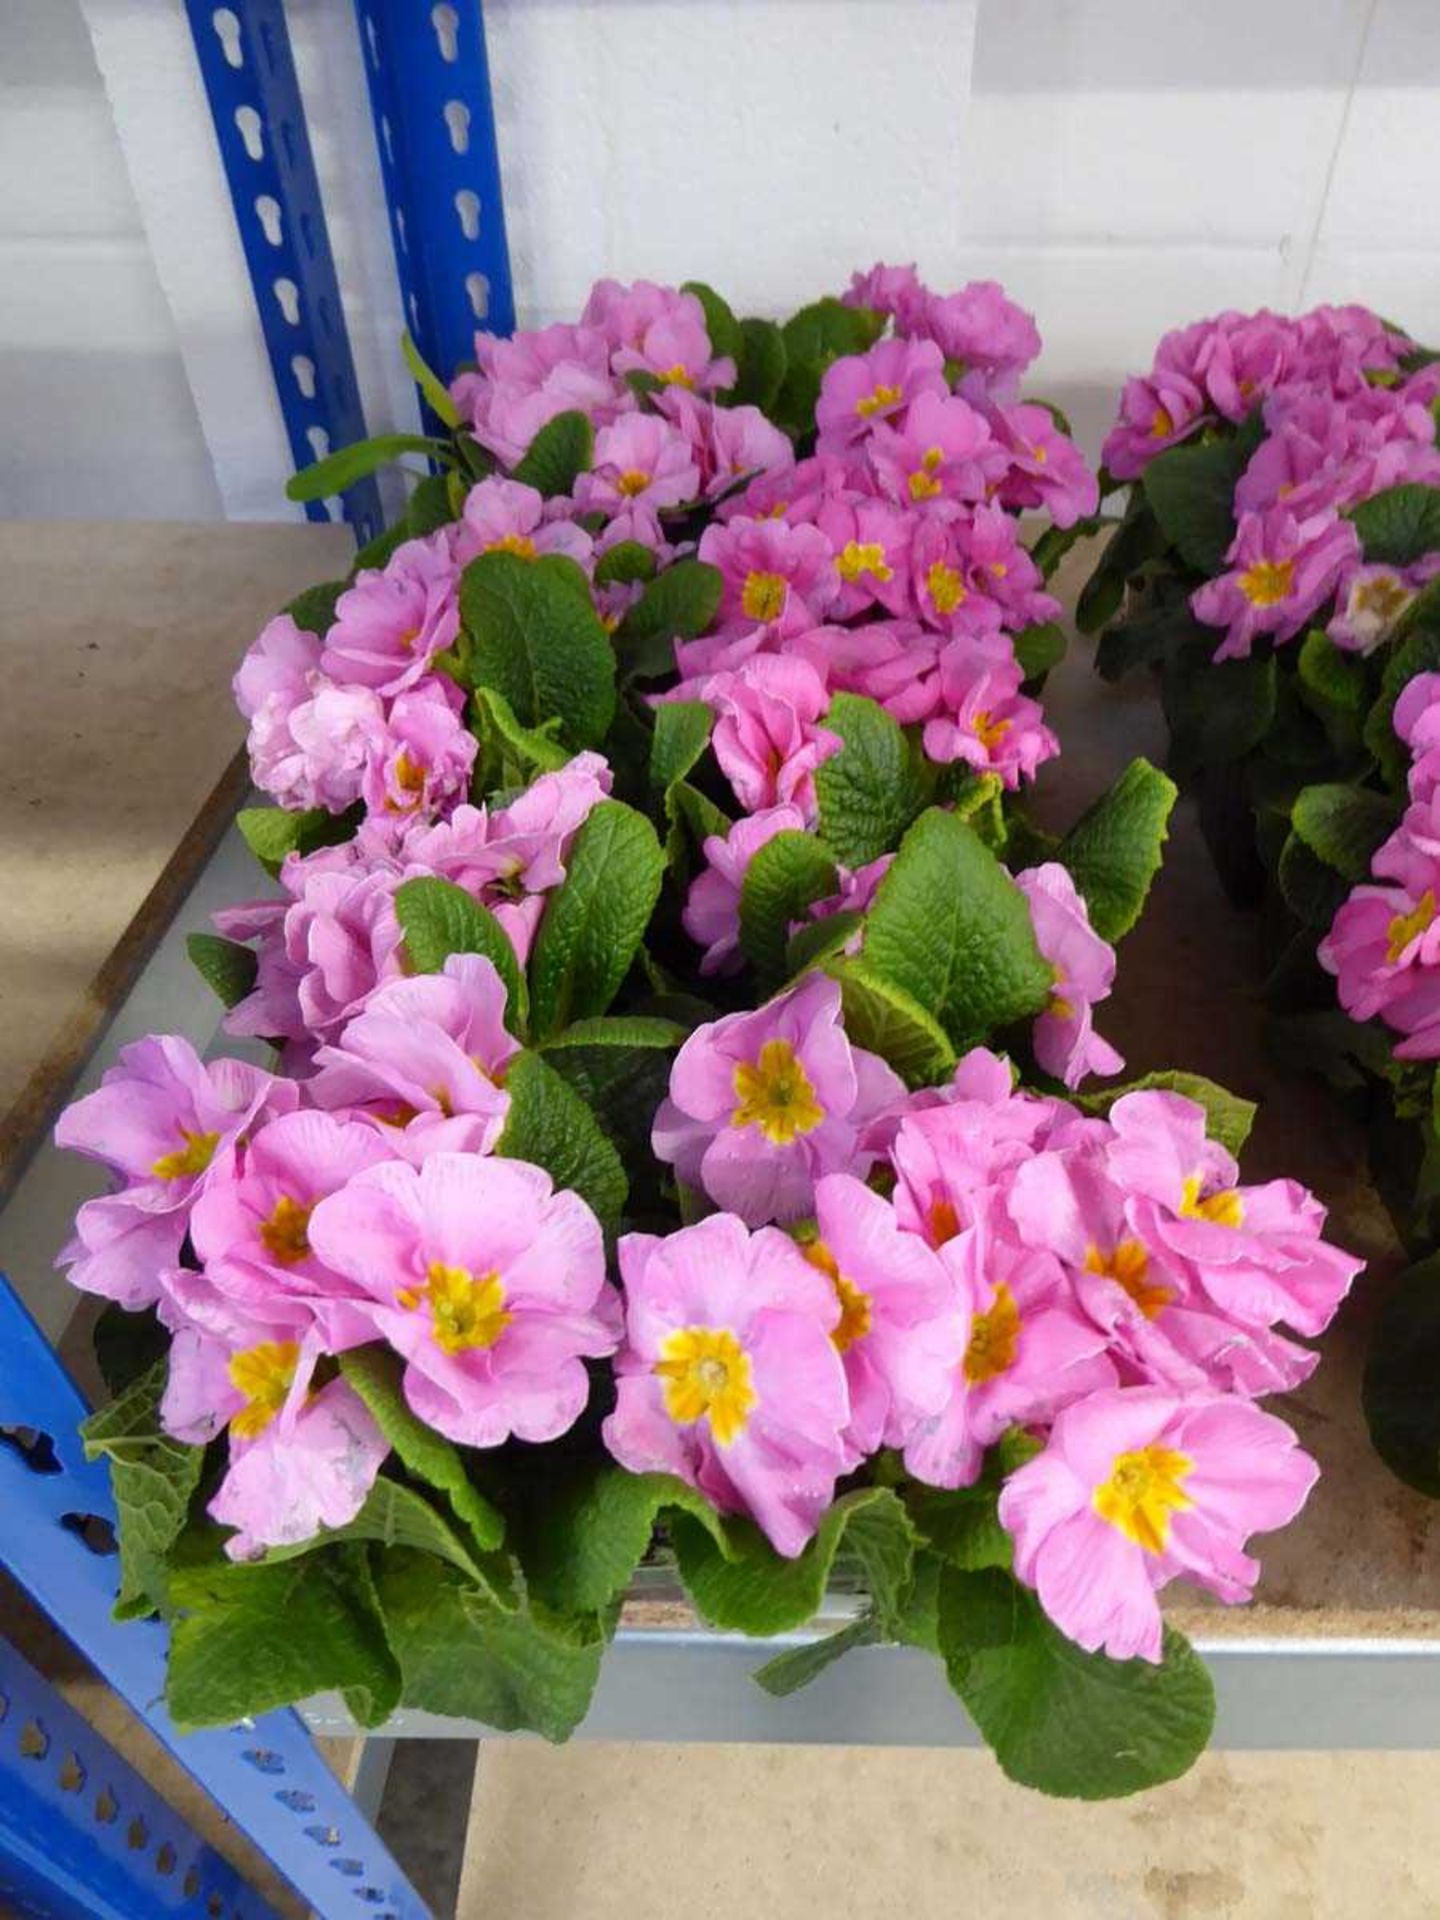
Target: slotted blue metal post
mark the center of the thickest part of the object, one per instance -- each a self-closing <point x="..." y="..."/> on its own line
<point x="430" y="97"/>
<point x="267" y="1774"/>
<point x="243" y="49"/>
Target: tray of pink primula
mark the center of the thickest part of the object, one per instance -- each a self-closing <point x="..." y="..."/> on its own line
<point x="667" y="1120"/>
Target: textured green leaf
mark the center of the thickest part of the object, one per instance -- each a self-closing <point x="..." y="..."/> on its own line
<point x="1343" y="825"/>
<point x="395" y="1515"/>
<point x="818" y="334"/>
<point x="950" y="928"/>
<point x="439" y="918"/>
<point x="1040" y="648"/>
<point x="678" y="604"/>
<point x="273" y="832"/>
<point x="226" y="967"/>
<point x="153" y="1479"/>
<point x="1216" y="710"/>
<point x="762" y="364"/>
<point x="537" y="639"/>
<point x="1136" y="540"/>
<point x="1113" y="851"/>
<point x="313" y="611"/>
<point x="873" y="788"/>
<point x="550" y="1125"/>
<point x="816" y="940"/>
<point x="781" y="881"/>
<point x="790" y="1671"/>
<point x="1071" y="1723"/>
<point x="961" y="1526"/>
<point x="746" y="1587"/>
<point x="375" y="1372"/>
<point x="720" y="322"/>
<point x="560" y="451"/>
<point x="1191" y="492"/>
<point x="1228" y="1117"/>
<point x="581" y="1537"/>
<point x="341" y="469"/>
<point x="1331" y="676"/>
<point x="625" y="562"/>
<point x="883" y="1018"/>
<point x="250" y="1638"/>
<point x="682" y="733"/>
<point x="1309" y="886"/>
<point x="595" y="921"/>
<point x="460" y="1655"/>
<point x="1400" y="525"/>
<point x="1415" y="648"/>
<point x="429" y="382"/>
<point x="535" y="747"/>
<point x="1402" y="1378"/>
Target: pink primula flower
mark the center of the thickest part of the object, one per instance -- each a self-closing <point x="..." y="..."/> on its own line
<point x="861" y="389"/>
<point x="506" y="516"/>
<point x="763" y="1104"/>
<point x="982" y="330"/>
<point x="1281" y="571"/>
<point x="944" y="455"/>
<point x="657" y="330"/>
<point x="1138" y="1487"/>
<point x="712" y="907"/>
<point x="1368" y="602"/>
<point x="775" y="576"/>
<point x="522" y="381"/>
<point x="390" y="624"/>
<point x="890" y="290"/>
<point x="985" y="720"/>
<point x="1047" y="470"/>
<point x="1383" y="948"/>
<point x="894" y="662"/>
<point x="726" y="444"/>
<point x="1083" y="965"/>
<point x="311" y="1470"/>
<point x="641" y="463"/>
<point x="421" y="763"/>
<point x="871" y="542"/>
<point x="1155" y="413"/>
<point x="767" y="738"/>
<point x="729" y="1376"/>
<point x="310" y="739"/>
<point x="490" y="1283"/>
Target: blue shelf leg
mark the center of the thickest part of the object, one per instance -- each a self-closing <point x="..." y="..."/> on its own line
<point x="267" y="1774"/>
<point x="434" y="119"/>
<point x="243" y="49"/>
<point x="81" y="1834"/>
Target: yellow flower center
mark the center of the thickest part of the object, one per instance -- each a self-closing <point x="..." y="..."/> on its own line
<point x="1143" y="1490"/>
<point x="987" y="731"/>
<point x="263" y="1374"/>
<point x="284" y="1235"/>
<point x="774" y="1093"/>
<point x="1223" y="1209"/>
<point x="1037" y="454"/>
<point x="632" y="481"/>
<point x="763" y="596"/>
<point x="877" y="401"/>
<point x="467" y="1310"/>
<point x="1406" y="927"/>
<point x="923" y="484"/>
<point x="1128" y="1265"/>
<point x="855" y="1316"/>
<point x="194" y="1157"/>
<point x="1162" y="426"/>
<point x="410" y="779"/>
<point x="1268" y="582"/>
<point x="520" y="544"/>
<point x="676" y="376"/>
<point x="704" y="1371"/>
<point x="994" y="1339"/>
<point x="1383" y="596"/>
<point x="855" y="559"/>
<point x="946" y="588"/>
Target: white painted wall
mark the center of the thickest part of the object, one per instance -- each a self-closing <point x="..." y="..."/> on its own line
<point x="1123" y="165"/>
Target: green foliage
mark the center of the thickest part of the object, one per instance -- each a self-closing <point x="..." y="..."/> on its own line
<point x="535" y="637"/>
<point x="593" y="924"/>
<point x="436" y="393"/>
<point x="682" y="733"/>
<point x="873" y="788"/>
<point x="1402" y="1378"/>
<point x="788" y="1672"/>
<point x="1343" y="825"/>
<point x="153" y="1478"/>
<point x="559" y="453"/>
<point x="550" y="1125"/>
<point x="341" y="469"/>
<point x="883" y="1018"/>
<point x="271" y="833"/>
<point x="1039" y="649"/>
<point x="1191" y="491"/>
<point x="536" y="748"/>
<point x="582" y="1535"/>
<point x="1400" y="526"/>
<point x="1114" y="849"/>
<point x="1217" y="710"/>
<point x="625" y="562"/>
<point x="678" y="604"/>
<point x="313" y="611"/>
<point x="812" y="338"/>
<point x="761" y="367"/>
<point x="438" y="919"/>
<point x="1137" y="540"/>
<point x="783" y="878"/>
<point x="720" y="323"/>
<point x="1415" y="649"/>
<point x="1071" y="1723"/>
<point x="224" y="965"/>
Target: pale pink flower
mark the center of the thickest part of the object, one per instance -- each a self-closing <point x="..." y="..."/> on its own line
<point x="390" y="624"/>
<point x="712" y="907"/>
<point x="1083" y="966"/>
<point x="767" y="736"/>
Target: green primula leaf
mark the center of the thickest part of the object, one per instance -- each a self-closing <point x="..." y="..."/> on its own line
<point x="1329" y="675"/>
<point x="1402" y="1378"/>
<point x="1191" y="491"/>
<point x="1343" y="825"/>
<point x="1400" y="526"/>
<point x="761" y="366"/>
<point x="962" y="1527"/>
<point x="1137" y="539"/>
<point x="561" y="450"/>
<point x="883" y="1018"/>
<point x="624" y="563"/>
<point x="950" y="928"/>
<point x="747" y="1587"/>
<point x="595" y="921"/>
<point x="678" y="604"/>
<point x="1228" y="1117"/>
<point x="430" y="506"/>
<point x="682" y="733"/>
<point x="781" y="881"/>
<point x="313" y="611"/>
<point x="623" y="1032"/>
<point x="536" y="747"/>
<point x="550" y="1125"/>
<point x="346" y="465"/>
<point x="429" y="382"/>
<point x="620" y="1067"/>
<point x="1216" y="710"/>
<point x="1040" y="648"/>
<point x="395" y="1515"/>
<point x="273" y="832"/>
<point x="720" y="322"/>
<point x="1071" y="1723"/>
<point x="438" y="919"/>
<point x="1415" y="649"/>
<point x="1113" y="851"/>
<point x="788" y="1672"/>
<point x="536" y="638"/>
<point x="127" y="1345"/>
<point x="460" y="1655"/>
<point x="823" y="332"/>
<point x="226" y="967"/>
<point x="376" y="1373"/>
<point x="1055" y="542"/>
<point x="153" y="1478"/>
<point x="1309" y="886"/>
<point x="249" y="1638"/>
<point x="816" y="940"/>
<point x="873" y="788"/>
<point x="581" y="1540"/>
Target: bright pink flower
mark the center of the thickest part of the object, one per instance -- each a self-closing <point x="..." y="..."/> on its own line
<point x="985" y="720"/>
<point x="523" y="381"/>
<point x="506" y="516"/>
<point x="1155" y="413"/>
<point x="944" y="454"/>
<point x="488" y="1281"/>
<point x="712" y="908"/>
<point x="764" y="1104"/>
<point x="422" y="763"/>
<point x="1138" y="1487"/>
<point x="1083" y="964"/>
<point x="310" y="1470"/>
<point x="775" y="575"/>
<point x="1281" y="571"/>
<point x="871" y="543"/>
<point x="948" y="592"/>
<point x="657" y="330"/>
<point x="425" y="1061"/>
<point x="894" y="662"/>
<point x="390" y="624"/>
<point x="165" y="1124"/>
<point x="1047" y="469"/>
<point x="729" y="1376"/>
<point x="641" y="462"/>
<point x="903" y="1323"/>
<point x="1027" y="1351"/>
<point x="1244" y="358"/>
<point x="995" y="563"/>
<point x="310" y="740"/>
<point x="767" y="738"/>
<point x="856" y="888"/>
<point x="980" y="329"/>
<point x="890" y="290"/>
<point x="275" y="677"/>
<point x="1383" y="948"/>
<point x="861" y="389"/>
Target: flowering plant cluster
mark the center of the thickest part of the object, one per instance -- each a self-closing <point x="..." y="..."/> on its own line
<point x="681" y="1140"/>
<point x="1278" y="564"/>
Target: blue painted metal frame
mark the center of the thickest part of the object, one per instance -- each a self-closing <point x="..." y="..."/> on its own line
<point x="267" y="1775"/>
<point x="430" y="98"/>
<point x="81" y="1834"/>
<point x="243" y="48"/>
